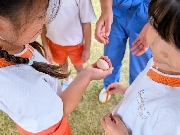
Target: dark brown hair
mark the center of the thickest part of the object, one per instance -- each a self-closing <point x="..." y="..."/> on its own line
<point x="165" y="18"/>
<point x="11" y="10"/>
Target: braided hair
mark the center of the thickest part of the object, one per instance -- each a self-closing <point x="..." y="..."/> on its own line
<point x="52" y="70"/>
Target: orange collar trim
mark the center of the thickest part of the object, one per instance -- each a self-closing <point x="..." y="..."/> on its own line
<point x="27" y="54"/>
<point x="173" y="80"/>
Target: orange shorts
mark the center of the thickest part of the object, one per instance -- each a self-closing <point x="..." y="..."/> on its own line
<point x="61" y="53"/>
<point x="61" y="128"/>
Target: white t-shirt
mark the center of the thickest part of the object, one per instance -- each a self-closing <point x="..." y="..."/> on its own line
<point x="29" y="96"/>
<point x="66" y="28"/>
<point x="149" y="107"/>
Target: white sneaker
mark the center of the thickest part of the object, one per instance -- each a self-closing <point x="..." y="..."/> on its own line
<point x="102" y="96"/>
<point x="65" y="83"/>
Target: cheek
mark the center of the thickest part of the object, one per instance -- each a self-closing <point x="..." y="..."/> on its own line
<point x="10" y="36"/>
<point x="32" y="33"/>
<point x="151" y="36"/>
<point x="148" y="37"/>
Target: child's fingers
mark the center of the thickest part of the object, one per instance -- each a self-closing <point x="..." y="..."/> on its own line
<point x="110" y="89"/>
<point x="116" y="119"/>
<point x="109" y="71"/>
<point x="107" y="60"/>
<point x="107" y="117"/>
<point x="114" y="91"/>
<point x="104" y="119"/>
<point x="112" y="86"/>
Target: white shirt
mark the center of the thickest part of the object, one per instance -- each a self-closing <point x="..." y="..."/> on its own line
<point x="66" y="28"/>
<point x="29" y="96"/>
<point x="150" y="108"/>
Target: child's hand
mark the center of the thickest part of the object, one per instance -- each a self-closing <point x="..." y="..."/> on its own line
<point x="96" y="73"/>
<point x="113" y="125"/>
<point x="85" y="55"/>
<point x="116" y="87"/>
<point x="48" y="56"/>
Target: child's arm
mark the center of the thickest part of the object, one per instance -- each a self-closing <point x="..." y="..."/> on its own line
<point x="48" y="55"/>
<point x="86" y="27"/>
<point x="73" y="93"/>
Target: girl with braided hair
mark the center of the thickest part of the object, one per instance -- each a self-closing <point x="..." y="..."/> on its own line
<point x="30" y="91"/>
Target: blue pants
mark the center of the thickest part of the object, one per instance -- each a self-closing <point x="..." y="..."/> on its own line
<point x="116" y="47"/>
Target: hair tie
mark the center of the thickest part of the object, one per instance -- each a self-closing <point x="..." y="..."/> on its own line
<point x="31" y="61"/>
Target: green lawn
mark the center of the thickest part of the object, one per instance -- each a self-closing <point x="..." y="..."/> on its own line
<point x="86" y="118"/>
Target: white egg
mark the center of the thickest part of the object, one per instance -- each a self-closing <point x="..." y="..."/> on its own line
<point x="102" y="64"/>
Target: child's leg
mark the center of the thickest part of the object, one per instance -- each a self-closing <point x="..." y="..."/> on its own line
<point x="64" y="69"/>
<point x="75" y="55"/>
<point x="78" y="68"/>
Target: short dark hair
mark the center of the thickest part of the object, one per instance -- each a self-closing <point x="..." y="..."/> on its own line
<point x="165" y="18"/>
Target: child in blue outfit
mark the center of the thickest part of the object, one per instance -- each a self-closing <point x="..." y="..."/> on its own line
<point x="129" y="17"/>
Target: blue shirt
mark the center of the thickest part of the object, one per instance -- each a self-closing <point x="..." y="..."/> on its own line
<point x="139" y="10"/>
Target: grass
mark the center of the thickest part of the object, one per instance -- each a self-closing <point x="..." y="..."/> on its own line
<point x="86" y="118"/>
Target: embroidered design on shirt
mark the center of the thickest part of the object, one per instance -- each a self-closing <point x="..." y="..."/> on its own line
<point x="52" y="10"/>
<point x="140" y="97"/>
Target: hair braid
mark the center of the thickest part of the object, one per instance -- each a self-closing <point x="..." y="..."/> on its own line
<point x="52" y="70"/>
<point x="38" y="47"/>
<point x="11" y="58"/>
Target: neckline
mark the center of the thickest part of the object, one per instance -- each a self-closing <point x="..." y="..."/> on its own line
<point x="157" y="76"/>
<point x="26" y="53"/>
